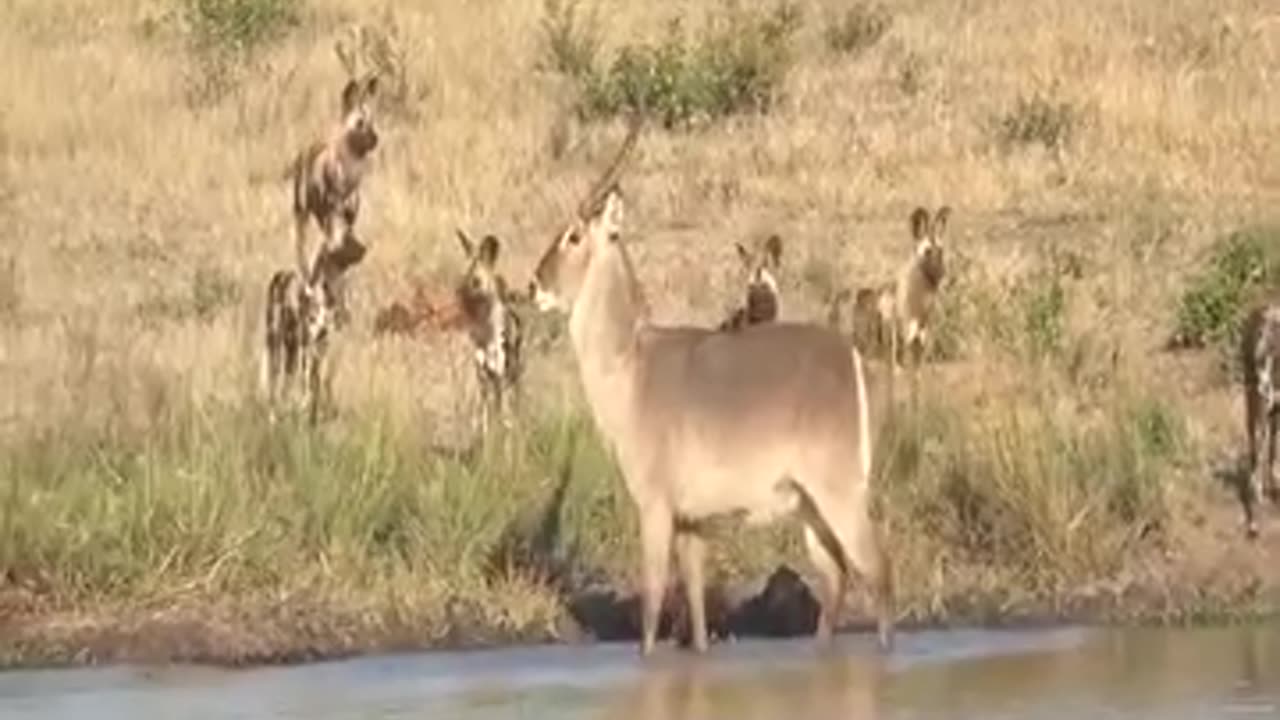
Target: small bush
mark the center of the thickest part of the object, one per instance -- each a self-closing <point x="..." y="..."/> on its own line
<point x="380" y="49"/>
<point x="239" y="26"/>
<point x="224" y="35"/>
<point x="736" y="65"/>
<point x="1240" y="265"/>
<point x="571" y="44"/>
<point x="912" y="74"/>
<point x="1038" y="120"/>
<point x="860" y="27"/>
<point x="1044" y="305"/>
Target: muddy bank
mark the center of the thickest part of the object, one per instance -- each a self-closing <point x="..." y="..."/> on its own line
<point x="781" y="605"/>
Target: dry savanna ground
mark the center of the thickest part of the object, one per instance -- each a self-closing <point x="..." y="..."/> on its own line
<point x="1055" y="461"/>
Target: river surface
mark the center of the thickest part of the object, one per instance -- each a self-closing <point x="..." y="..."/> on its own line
<point x="1097" y="674"/>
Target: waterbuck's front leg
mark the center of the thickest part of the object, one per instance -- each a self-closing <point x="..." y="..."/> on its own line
<point x="691" y="552"/>
<point x="656" y="528"/>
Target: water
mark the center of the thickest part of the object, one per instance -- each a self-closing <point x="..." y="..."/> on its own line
<point x="1051" y="674"/>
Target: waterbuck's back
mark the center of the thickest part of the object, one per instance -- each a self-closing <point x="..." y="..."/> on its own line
<point x="727" y="417"/>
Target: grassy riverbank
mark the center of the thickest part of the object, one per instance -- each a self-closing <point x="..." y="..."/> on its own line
<point x="1056" y="462"/>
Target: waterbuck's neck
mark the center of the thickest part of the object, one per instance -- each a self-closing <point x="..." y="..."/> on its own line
<point x="609" y="311"/>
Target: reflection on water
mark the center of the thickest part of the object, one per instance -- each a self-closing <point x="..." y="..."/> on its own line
<point x="1051" y="674"/>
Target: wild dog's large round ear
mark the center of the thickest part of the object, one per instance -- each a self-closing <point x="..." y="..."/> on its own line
<point x="919" y="223"/>
<point x="350" y="95"/>
<point x="371" y="85"/>
<point x="465" y="242"/>
<point x="489" y="249"/>
<point x="940" y="220"/>
<point x="773" y="249"/>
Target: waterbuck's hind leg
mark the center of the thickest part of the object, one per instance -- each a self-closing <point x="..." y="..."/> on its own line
<point x="691" y="554"/>
<point x="824" y="553"/>
<point x="864" y="556"/>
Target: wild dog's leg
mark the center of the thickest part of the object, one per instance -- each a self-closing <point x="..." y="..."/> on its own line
<point x="691" y="552"/>
<point x="315" y="380"/>
<point x="656" y="527"/>
<point x="824" y="553"/>
<point x="1269" y="422"/>
<point x="302" y="242"/>
<point x="1253" y="405"/>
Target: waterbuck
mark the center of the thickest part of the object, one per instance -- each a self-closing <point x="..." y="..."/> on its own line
<point x="761" y="303"/>
<point x="769" y="420"/>
<point x="326" y="176"/>
<point x="1260" y="358"/>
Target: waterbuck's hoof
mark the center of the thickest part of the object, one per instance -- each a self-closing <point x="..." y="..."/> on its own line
<point x="1251" y="530"/>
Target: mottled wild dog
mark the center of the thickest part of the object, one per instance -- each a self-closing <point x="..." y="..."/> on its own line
<point x="1260" y="358"/>
<point x="769" y="420"/>
<point x="492" y="324"/>
<point x="763" y="298"/>
<point x="299" y="329"/>
<point x="896" y="315"/>
<point x="916" y="288"/>
<point x="327" y="174"/>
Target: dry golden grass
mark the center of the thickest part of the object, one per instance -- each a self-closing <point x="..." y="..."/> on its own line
<point x="116" y="192"/>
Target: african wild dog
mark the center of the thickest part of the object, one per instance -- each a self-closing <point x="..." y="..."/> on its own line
<point x="326" y="177"/>
<point x="896" y="315"/>
<point x="761" y="304"/>
<point x="492" y="324"/>
<point x="300" y="325"/>
<point x="1260" y="357"/>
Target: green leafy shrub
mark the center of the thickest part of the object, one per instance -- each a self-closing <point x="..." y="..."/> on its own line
<point x="1038" y="120"/>
<point x="1240" y="265"/>
<point x="239" y="26"/>
<point x="736" y="64"/>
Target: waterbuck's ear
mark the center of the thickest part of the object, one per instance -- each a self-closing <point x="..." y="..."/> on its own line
<point x="743" y="254"/>
<point x="940" y="220"/>
<point x="919" y="223"/>
<point x="467" y="246"/>
<point x="489" y="249"/>
<point x="350" y="95"/>
<point x="773" y="249"/>
<point x="611" y="212"/>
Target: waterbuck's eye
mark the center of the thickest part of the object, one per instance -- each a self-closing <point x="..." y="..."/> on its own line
<point x="574" y="238"/>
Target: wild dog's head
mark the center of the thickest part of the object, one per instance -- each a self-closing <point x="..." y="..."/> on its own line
<point x="927" y="232"/>
<point x="358" y="130"/>
<point x="598" y="221"/>
<point x="762" y="266"/>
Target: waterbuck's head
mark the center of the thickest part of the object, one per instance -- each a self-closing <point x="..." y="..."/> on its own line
<point x="761" y="266"/>
<point x="598" y="222"/>
<point x="357" y="128"/>
<point x="928" y="232"/>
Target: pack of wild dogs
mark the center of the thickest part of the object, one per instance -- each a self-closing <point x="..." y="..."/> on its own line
<point x="755" y="417"/>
